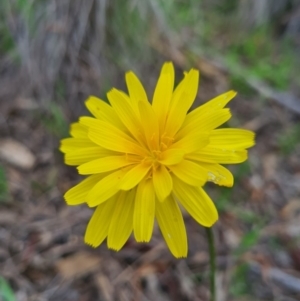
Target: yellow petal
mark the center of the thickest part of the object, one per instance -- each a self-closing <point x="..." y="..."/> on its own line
<point x="171" y="224"/>
<point x="93" y="123"/>
<point x="78" y="130"/>
<point x="77" y="194"/>
<point x="135" y="88"/>
<point x="99" y="108"/>
<point x="218" y="155"/>
<point x="162" y="182"/>
<point x="144" y="211"/>
<point x="109" y="137"/>
<point x="106" y="188"/>
<point x="122" y="107"/>
<point x="98" y="225"/>
<point x="83" y="155"/>
<point x="103" y="111"/>
<point x="121" y="220"/>
<point x="196" y="202"/>
<point x="73" y="144"/>
<point x="134" y="176"/>
<point x="218" y="174"/>
<point x="204" y="122"/>
<point x="163" y="93"/>
<point x="103" y="165"/>
<point x="193" y="141"/>
<point x="216" y="103"/>
<point x="149" y="124"/>
<point x="181" y="102"/>
<point x="172" y="156"/>
<point x="189" y="172"/>
<point x="232" y="138"/>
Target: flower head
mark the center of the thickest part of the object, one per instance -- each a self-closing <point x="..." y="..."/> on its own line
<point x="143" y="160"/>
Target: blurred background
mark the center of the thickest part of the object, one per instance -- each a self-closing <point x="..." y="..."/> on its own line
<point x="55" y="53"/>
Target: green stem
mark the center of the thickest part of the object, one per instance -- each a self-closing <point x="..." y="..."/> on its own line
<point x="212" y="262"/>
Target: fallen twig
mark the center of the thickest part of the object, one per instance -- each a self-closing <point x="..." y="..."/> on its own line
<point x="277" y="277"/>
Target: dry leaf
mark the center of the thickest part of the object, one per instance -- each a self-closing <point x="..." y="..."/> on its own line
<point x="76" y="266"/>
<point x="17" y="154"/>
<point x="25" y="103"/>
<point x="270" y="163"/>
<point x="291" y="210"/>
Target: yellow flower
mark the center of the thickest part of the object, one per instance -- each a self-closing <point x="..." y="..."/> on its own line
<point x="144" y="160"/>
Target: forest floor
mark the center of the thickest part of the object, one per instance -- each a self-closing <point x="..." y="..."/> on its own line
<point x="42" y="254"/>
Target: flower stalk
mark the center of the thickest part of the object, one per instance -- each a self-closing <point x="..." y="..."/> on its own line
<point x="212" y="263"/>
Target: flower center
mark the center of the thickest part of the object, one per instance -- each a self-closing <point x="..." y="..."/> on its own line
<point x="153" y="159"/>
<point x="155" y="150"/>
<point x="165" y="142"/>
<point x="156" y="156"/>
